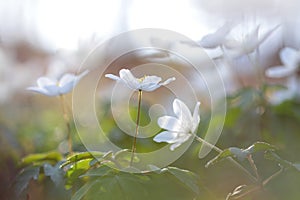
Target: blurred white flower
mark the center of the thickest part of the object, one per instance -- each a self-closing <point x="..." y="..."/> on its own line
<point x="249" y="43"/>
<point x="51" y="87"/>
<point x="180" y="128"/>
<point x="290" y="59"/>
<point x="146" y="83"/>
<point x="213" y="40"/>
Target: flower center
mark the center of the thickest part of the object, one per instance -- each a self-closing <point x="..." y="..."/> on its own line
<point x="141" y="79"/>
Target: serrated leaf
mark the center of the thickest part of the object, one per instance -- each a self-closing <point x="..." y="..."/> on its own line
<point x="260" y="146"/>
<point x="55" y="172"/>
<point x="23" y="178"/>
<point x="52" y="156"/>
<point x="187" y="178"/>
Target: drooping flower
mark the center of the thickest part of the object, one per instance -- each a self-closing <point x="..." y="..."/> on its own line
<point x="179" y="128"/>
<point x="52" y="87"/>
<point x="146" y="83"/>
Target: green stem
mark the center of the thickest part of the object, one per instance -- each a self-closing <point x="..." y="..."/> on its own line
<point x="137" y="127"/>
<point x="253" y="166"/>
<point x="199" y="139"/>
<point x="67" y="121"/>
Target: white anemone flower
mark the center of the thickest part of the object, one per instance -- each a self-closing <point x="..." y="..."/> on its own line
<point x="52" y="87"/>
<point x="146" y="83"/>
<point x="249" y="43"/>
<point x="179" y="128"/>
<point x="213" y="40"/>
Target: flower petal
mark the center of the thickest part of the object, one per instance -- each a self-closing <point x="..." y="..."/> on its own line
<point x="113" y="77"/>
<point x="180" y="141"/>
<point x="42" y="81"/>
<point x="166" y="136"/>
<point x="170" y="123"/>
<point x="217" y="38"/>
<point x="69" y="81"/>
<point x="279" y="71"/>
<point x="127" y="77"/>
<point x="183" y="113"/>
<point x="43" y="91"/>
<point x="196" y="117"/>
<point x="169" y="80"/>
<point x="150" y="83"/>
<point x="290" y="57"/>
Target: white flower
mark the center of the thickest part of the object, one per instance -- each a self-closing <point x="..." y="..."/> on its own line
<point x="249" y="43"/>
<point x="51" y="87"/>
<point x="146" y="83"/>
<point x="180" y="128"/>
<point x="217" y="38"/>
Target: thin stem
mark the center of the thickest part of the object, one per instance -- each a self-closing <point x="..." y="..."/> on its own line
<point x="137" y="126"/>
<point x="231" y="159"/>
<point x="272" y="177"/>
<point x="67" y="121"/>
<point x="253" y="166"/>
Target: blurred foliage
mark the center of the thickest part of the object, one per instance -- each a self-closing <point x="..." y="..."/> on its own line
<point x="269" y="133"/>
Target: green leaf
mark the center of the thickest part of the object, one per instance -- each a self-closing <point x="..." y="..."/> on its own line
<point x="75" y="171"/>
<point x="114" y="186"/>
<point x="224" y="154"/>
<point x="52" y="156"/>
<point x="23" y="178"/>
<point x="241" y="154"/>
<point x="82" y="156"/>
<point x="55" y="172"/>
<point x="100" y="171"/>
<point x="260" y="146"/>
<point x="270" y="155"/>
<point x="187" y="178"/>
<point x="83" y="190"/>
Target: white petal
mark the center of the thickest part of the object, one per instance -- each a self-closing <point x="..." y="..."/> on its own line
<point x="166" y="136"/>
<point x="111" y="76"/>
<point x="183" y="113"/>
<point x="196" y="117"/>
<point x="43" y="81"/>
<point x="267" y="34"/>
<point x="52" y="90"/>
<point x="170" y="123"/>
<point x="169" y="80"/>
<point x="290" y="57"/>
<point x="217" y="38"/>
<point x="42" y="91"/>
<point x="279" y="71"/>
<point x="69" y="81"/>
<point x="150" y="83"/>
<point x="180" y="141"/>
<point x="127" y="77"/>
